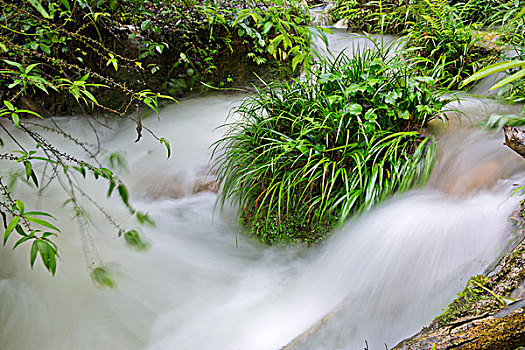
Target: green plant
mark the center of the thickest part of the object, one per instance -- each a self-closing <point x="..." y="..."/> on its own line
<point x="381" y="16"/>
<point x="444" y="47"/>
<point x="513" y="84"/>
<point x="306" y="154"/>
<point x="87" y="56"/>
<point x="35" y="43"/>
<point x="479" y="11"/>
<point x="281" y="31"/>
<point x="509" y="17"/>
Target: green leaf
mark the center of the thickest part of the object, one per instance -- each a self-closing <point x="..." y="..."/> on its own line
<point x="20" y="206"/>
<point x="353" y="109"/>
<point x="34" y="251"/>
<point x="15" y="83"/>
<point x="404" y="114"/>
<point x="90" y="96"/>
<point x="16" y="64"/>
<point x="33" y="213"/>
<point x="267" y="27"/>
<point x="48" y="234"/>
<point x="296" y="60"/>
<point x="38" y="6"/>
<point x="9" y="105"/>
<point x="133" y="239"/>
<point x="492" y="69"/>
<point x="12" y="224"/>
<point x="30" y="67"/>
<point x="513" y="77"/>
<point x="81" y="169"/>
<point x="144" y="218"/>
<point x="66" y="4"/>
<point x="45" y="48"/>
<point x="34" y="178"/>
<point x="28" y="168"/>
<point x="21" y="232"/>
<point x="106" y="173"/>
<point x="48" y="255"/>
<point x="123" y="192"/>
<point x="30" y="112"/>
<point x="101" y="278"/>
<point x="41" y="222"/>
<point x="145" y="24"/>
<point x="16" y="119"/>
<point x="112" y="185"/>
<point x="22" y="240"/>
<point x="245" y="14"/>
<point x="167" y="145"/>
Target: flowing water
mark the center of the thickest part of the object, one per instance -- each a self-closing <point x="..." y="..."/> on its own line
<point x="204" y="285"/>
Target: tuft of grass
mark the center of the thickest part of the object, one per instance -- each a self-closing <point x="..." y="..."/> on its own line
<point x="304" y="155"/>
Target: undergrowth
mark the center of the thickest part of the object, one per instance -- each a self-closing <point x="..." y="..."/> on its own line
<point x="445" y="47"/>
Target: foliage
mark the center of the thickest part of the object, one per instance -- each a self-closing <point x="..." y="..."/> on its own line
<point x="384" y="16"/>
<point x="279" y="30"/>
<point x="444" y="46"/>
<point x="480" y="11"/>
<point x="165" y="46"/>
<point x="110" y="56"/>
<point x="509" y="16"/>
<point x="39" y="51"/>
<point x="512" y="85"/>
<point x="308" y="153"/>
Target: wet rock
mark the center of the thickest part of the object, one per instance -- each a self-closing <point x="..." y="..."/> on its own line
<point x="341" y="24"/>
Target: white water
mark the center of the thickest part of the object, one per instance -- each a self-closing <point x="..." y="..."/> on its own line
<point x="204" y="285"/>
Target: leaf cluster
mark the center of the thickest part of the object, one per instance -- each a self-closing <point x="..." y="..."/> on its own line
<point x="42" y="243"/>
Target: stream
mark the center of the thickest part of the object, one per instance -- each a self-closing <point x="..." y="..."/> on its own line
<point x="203" y="284"/>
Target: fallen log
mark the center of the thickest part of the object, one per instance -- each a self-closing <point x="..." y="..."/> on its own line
<point x="503" y="330"/>
<point x="515" y="139"/>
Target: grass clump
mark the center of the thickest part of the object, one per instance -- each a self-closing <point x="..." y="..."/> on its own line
<point x="305" y="154"/>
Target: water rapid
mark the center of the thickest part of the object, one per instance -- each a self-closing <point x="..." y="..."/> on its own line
<point x="204" y="285"/>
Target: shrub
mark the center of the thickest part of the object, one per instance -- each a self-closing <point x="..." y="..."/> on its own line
<point x="305" y="154"/>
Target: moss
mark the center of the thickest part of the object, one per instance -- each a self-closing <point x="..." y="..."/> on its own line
<point x="466" y="300"/>
<point x="273" y="230"/>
